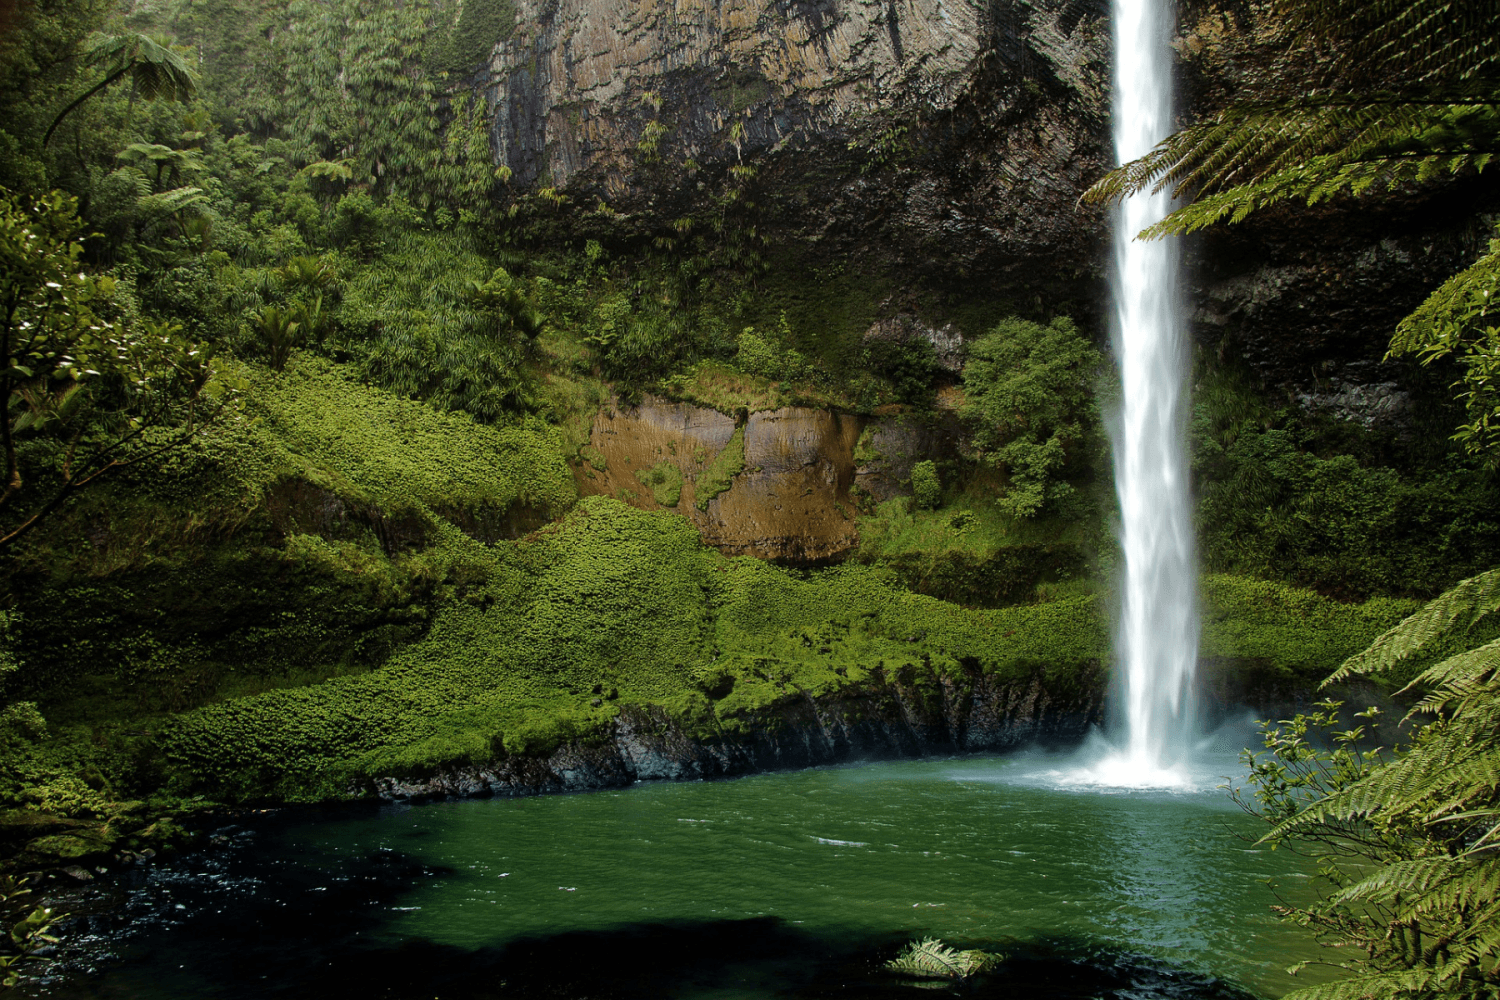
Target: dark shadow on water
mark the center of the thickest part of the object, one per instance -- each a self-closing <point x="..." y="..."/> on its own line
<point x="242" y="923"/>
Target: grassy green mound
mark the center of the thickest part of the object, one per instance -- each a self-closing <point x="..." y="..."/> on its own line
<point x="972" y="553"/>
<point x="615" y="606"/>
<point x="611" y="606"/>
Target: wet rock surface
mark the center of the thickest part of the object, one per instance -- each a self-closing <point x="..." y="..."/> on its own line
<point x="898" y="714"/>
<point x="934" y="133"/>
<point x="791" y="501"/>
<point x="905" y="328"/>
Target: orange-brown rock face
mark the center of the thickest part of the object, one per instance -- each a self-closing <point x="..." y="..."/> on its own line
<point x="790" y="500"/>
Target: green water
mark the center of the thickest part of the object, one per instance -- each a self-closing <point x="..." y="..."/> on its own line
<point x="967" y="849"/>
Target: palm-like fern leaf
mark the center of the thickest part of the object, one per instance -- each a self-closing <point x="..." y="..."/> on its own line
<point x="1389" y="92"/>
<point x="1419" y="40"/>
<point x="1428" y="816"/>
<point x="1458" y="609"/>
<point x="156" y="71"/>
<point x="930" y="958"/>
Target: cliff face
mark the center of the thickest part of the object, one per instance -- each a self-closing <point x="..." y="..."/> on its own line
<point x="945" y="141"/>
<point x="897" y="715"/>
<point x="937" y="128"/>
<point x="791" y="498"/>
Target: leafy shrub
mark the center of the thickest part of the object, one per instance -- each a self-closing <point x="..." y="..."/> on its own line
<point x="755" y="355"/>
<point x="430" y="318"/>
<point x="1028" y="398"/>
<point x="910" y="366"/>
<point x="1404" y="838"/>
<point x="1271" y="508"/>
<point x="926" y="488"/>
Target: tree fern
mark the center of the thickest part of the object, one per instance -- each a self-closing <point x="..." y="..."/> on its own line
<point x="1458" y="610"/>
<point x="1365" y="97"/>
<point x="156" y="70"/>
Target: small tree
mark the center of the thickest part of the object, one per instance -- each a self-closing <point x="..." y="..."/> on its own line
<point x="926" y="487"/>
<point x="90" y="394"/>
<point x="1027" y="395"/>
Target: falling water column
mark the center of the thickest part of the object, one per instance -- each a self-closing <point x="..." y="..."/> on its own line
<point x="1158" y="630"/>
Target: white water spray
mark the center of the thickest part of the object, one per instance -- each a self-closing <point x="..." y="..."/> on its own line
<point x="1157" y="640"/>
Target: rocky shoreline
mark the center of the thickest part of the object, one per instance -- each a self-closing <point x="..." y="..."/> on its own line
<point x="889" y="717"/>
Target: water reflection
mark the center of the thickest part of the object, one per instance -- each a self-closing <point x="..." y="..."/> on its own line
<point x="845" y="863"/>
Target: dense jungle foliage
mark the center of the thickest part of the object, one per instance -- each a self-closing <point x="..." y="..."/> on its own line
<point x="299" y="392"/>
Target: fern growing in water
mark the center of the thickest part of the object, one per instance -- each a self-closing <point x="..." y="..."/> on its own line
<point x="930" y="958"/>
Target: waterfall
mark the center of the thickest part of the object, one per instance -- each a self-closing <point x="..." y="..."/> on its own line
<point x="1157" y="637"/>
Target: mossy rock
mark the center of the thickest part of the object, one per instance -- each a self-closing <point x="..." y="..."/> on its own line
<point x="66" y="847"/>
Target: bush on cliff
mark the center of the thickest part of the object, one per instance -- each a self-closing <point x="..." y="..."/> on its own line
<point x="1028" y="392"/>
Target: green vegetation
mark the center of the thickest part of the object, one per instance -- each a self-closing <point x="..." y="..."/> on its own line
<point x="300" y="673"/>
<point x="926" y="487"/>
<point x="974" y="554"/>
<point x="1406" y="839"/>
<point x="1028" y="393"/>
<point x="85" y="393"/>
<point x="930" y="958"/>
<point x="631" y="604"/>
<point x="1322" y="503"/>
<point x="481" y="24"/>
<point x="664" y="480"/>
<point x="26" y="929"/>
<point x="719" y="475"/>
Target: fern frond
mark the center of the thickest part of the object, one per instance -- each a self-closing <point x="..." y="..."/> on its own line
<point x="156" y="69"/>
<point x="930" y="958"/>
<point x="171" y="202"/>
<point x="1435" y="327"/>
<point x="1458" y="608"/>
<point x="1420" y="40"/>
<point x="1376" y="986"/>
<point x="1442" y="773"/>
<point x="1388" y="92"/>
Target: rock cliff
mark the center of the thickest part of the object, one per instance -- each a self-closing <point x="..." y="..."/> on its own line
<point x="945" y="141"/>
<point x="940" y="132"/>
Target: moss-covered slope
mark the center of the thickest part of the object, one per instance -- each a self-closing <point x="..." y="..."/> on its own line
<point x="338" y="585"/>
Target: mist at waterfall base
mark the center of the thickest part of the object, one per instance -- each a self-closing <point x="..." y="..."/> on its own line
<point x="1155" y="741"/>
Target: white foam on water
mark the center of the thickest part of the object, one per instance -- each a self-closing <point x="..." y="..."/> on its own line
<point x="1211" y="761"/>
